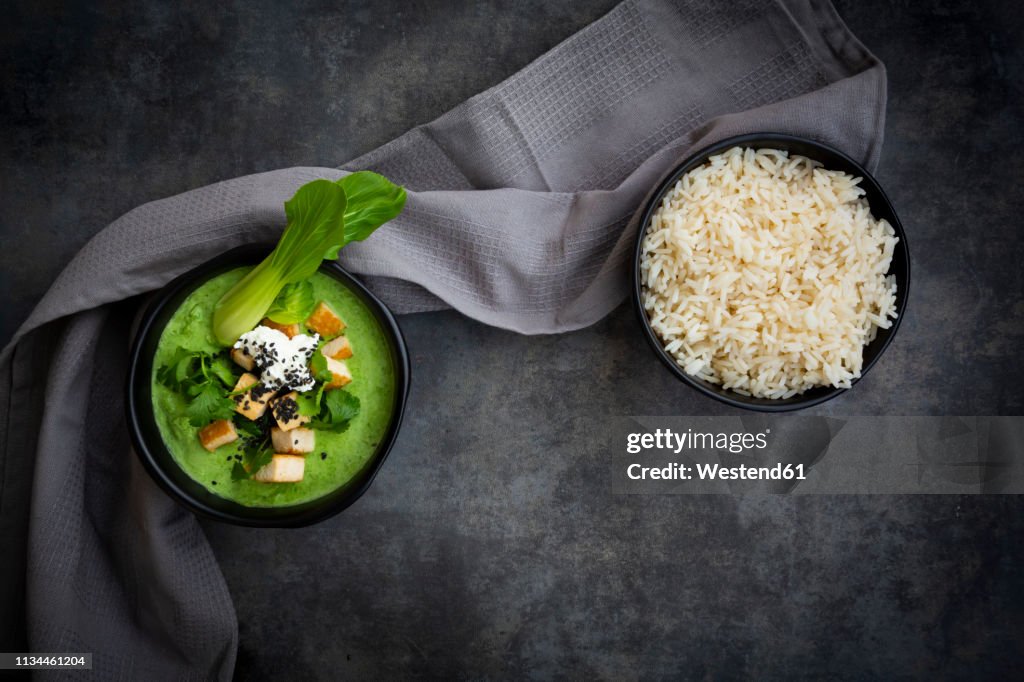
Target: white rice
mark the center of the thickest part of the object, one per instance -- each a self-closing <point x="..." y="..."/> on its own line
<point x="766" y="273"/>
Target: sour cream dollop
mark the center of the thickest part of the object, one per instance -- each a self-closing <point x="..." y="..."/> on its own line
<point x="283" y="361"/>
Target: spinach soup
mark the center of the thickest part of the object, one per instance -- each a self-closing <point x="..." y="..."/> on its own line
<point x="292" y="410"/>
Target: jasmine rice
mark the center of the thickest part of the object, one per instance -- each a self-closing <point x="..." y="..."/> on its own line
<point x="766" y="273"/>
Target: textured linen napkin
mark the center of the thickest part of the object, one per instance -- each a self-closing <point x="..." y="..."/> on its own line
<point x="518" y="215"/>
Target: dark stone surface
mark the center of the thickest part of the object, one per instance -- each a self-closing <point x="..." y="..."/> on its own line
<point x="491" y="544"/>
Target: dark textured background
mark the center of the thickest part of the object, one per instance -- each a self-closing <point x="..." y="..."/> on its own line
<point x="491" y="544"/>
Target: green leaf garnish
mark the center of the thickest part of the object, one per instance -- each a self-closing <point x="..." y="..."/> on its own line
<point x="323" y="217"/>
<point x="238" y="472"/>
<point x="338" y="408"/>
<point x="224" y="370"/>
<point x="209" y="404"/>
<point x="176" y="373"/>
<point x="294" y="304"/>
<point x="372" y="200"/>
<point x="248" y="428"/>
<point x="309" y="402"/>
<point x="318" y="367"/>
<point x="260" y="459"/>
<point x="256" y="453"/>
<point x="205" y="380"/>
<point x="189" y="371"/>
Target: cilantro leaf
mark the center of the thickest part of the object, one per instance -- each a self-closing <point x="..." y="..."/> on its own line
<point x="339" y="408"/>
<point x="183" y="367"/>
<point x="204" y="380"/>
<point x="309" y="402"/>
<point x="318" y="367"/>
<point x="260" y="459"/>
<point x="248" y="428"/>
<point x="238" y="472"/>
<point x="176" y="373"/>
<point x="190" y="371"/>
<point x="208" y="405"/>
<point x="341" y="405"/>
<point x="224" y="369"/>
<point x="255" y="455"/>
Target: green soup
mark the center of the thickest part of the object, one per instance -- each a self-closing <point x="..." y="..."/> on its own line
<point x="337" y="457"/>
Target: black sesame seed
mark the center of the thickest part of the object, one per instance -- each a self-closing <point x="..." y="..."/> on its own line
<point x="323" y="455"/>
<point x="213" y="482"/>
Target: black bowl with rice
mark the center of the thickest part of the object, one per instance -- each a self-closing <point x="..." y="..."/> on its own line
<point x="770" y="272"/>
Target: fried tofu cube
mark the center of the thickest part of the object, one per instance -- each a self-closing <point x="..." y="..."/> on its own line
<point x="289" y="330"/>
<point x="324" y="321"/>
<point x="339" y="348"/>
<point x="298" y="441"/>
<point x="253" y="403"/>
<point x="282" y="469"/>
<point x="340" y="373"/>
<point x="286" y="412"/>
<point x="243" y="359"/>
<point x="217" y="433"/>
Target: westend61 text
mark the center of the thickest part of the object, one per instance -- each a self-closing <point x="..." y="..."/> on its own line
<point x="709" y="472"/>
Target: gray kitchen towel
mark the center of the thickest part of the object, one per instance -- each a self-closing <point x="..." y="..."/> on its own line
<point x="518" y="215"/>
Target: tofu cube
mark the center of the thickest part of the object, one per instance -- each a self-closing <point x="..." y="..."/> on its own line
<point x="298" y="441"/>
<point x="253" y="403"/>
<point x="243" y="359"/>
<point x="286" y="412"/>
<point x="289" y="330"/>
<point x="217" y="433"/>
<point x="340" y="374"/>
<point x="282" y="469"/>
<point x="324" y="321"/>
<point x="339" y="348"/>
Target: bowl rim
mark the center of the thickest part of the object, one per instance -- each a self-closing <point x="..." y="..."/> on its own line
<point x="305" y="513"/>
<point x="763" y="140"/>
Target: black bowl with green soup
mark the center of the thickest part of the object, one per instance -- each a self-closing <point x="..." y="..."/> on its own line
<point x="277" y="422"/>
